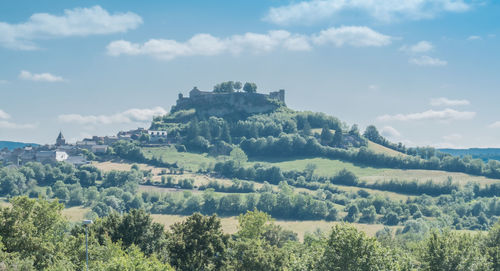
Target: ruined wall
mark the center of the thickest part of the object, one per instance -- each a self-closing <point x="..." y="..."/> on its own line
<point x="221" y="104"/>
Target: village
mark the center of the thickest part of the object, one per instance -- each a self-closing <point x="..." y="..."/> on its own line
<point x="78" y="153"/>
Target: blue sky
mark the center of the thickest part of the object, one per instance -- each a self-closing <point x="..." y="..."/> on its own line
<point x="424" y="72"/>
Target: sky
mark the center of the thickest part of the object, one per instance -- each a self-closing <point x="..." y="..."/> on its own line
<point x="426" y="73"/>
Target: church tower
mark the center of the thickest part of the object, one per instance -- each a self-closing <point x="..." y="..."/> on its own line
<point x="60" y="141"/>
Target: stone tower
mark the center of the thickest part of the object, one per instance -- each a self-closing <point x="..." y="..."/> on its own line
<point x="60" y="141"/>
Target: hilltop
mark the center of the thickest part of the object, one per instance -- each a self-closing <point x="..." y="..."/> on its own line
<point x="13" y="145"/>
<point x="230" y="103"/>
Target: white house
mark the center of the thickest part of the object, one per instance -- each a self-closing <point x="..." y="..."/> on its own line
<point x="51" y="156"/>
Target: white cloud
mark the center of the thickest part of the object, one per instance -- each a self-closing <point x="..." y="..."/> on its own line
<point x="129" y="116"/>
<point x="11" y="125"/>
<point x="357" y="36"/>
<point x="307" y="12"/>
<point x="442" y="101"/>
<point x="390" y="132"/>
<point x="428" y="61"/>
<point x="75" y="22"/>
<point x="442" y="115"/>
<point x="452" y="137"/>
<point x="208" y="45"/>
<point x="4" y="115"/>
<point x="495" y="124"/>
<point x="40" y="77"/>
<point x="474" y="38"/>
<point x="420" y="47"/>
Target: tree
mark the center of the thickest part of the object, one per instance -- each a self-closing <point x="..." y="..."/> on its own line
<point x="306" y="129"/>
<point x="350" y="249"/>
<point x="250" y="87"/>
<point x="226" y="135"/>
<point x="252" y="250"/>
<point x="116" y="258"/>
<point x="239" y="156"/>
<point x="145" y="137"/>
<point x="225" y="87"/>
<point x="352" y="213"/>
<point x="368" y="215"/>
<point x="391" y="218"/>
<point x="337" y="137"/>
<point x="326" y="136"/>
<point x="372" y="134"/>
<point x="35" y="230"/>
<point x="12" y="182"/>
<point x="198" y="244"/>
<point x="493" y="246"/>
<point x="453" y="251"/>
<point x="251" y="224"/>
<point x="193" y="129"/>
<point x="237" y="85"/>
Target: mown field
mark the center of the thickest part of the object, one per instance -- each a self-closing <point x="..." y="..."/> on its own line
<point x="230" y="225"/>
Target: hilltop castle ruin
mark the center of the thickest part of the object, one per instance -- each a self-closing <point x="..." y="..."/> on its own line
<point x="221" y="104"/>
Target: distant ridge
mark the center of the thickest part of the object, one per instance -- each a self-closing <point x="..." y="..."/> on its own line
<point x="13" y="145"/>
<point x="481" y="153"/>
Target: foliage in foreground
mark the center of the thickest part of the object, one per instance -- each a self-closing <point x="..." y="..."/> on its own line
<point x="35" y="236"/>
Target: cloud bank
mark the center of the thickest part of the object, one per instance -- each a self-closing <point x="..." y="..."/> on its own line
<point x="307" y="12"/>
<point x="128" y="116"/>
<point x="441" y="115"/>
<point x="75" y="22"/>
<point x="208" y="45"/>
<point x="39" y="77"/>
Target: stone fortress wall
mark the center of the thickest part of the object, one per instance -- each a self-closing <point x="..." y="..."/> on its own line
<point x="220" y="104"/>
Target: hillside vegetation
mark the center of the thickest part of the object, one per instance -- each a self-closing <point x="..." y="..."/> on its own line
<point x="230" y="174"/>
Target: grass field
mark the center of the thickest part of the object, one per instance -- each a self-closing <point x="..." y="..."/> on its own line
<point x="230" y="225"/>
<point x="377" y="148"/>
<point x="329" y="167"/>
<point x="324" y="166"/>
<point x="186" y="160"/>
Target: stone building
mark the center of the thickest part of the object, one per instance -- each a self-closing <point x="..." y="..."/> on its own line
<point x="60" y="141"/>
<point x="225" y="103"/>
